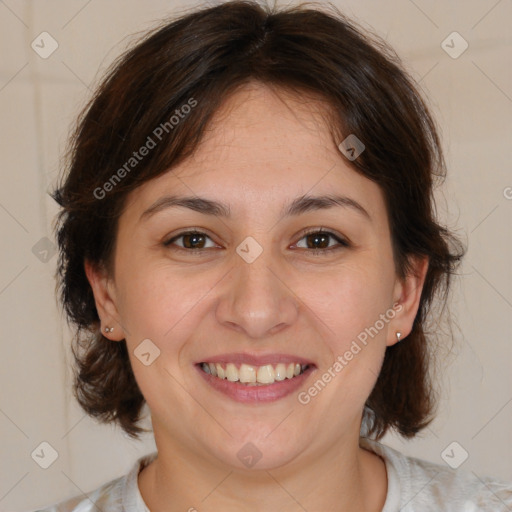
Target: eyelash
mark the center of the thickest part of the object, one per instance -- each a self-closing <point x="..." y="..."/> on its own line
<point x="342" y="243"/>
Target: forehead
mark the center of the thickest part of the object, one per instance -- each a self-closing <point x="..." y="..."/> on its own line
<point x="264" y="146"/>
<point x="261" y="124"/>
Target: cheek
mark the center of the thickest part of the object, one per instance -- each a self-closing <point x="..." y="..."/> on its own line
<point x="154" y="300"/>
<point x="353" y="305"/>
<point x="350" y="299"/>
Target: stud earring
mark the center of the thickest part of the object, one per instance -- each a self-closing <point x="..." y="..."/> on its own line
<point x="109" y="329"/>
<point x="398" y="336"/>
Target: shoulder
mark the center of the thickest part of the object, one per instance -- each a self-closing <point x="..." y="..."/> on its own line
<point x="419" y="485"/>
<point x="109" y="495"/>
<point x="118" y="495"/>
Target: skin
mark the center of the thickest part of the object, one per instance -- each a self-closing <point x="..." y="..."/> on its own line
<point x="263" y="151"/>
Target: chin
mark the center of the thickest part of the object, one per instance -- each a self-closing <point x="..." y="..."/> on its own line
<point x="265" y="450"/>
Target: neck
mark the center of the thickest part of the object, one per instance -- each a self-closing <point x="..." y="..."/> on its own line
<point x="344" y="478"/>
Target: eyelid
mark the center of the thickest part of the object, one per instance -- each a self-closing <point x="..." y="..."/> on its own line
<point x="325" y="231"/>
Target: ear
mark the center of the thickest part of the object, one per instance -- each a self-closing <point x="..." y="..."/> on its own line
<point x="105" y="298"/>
<point x="407" y="295"/>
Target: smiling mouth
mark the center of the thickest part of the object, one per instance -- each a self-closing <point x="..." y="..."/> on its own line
<point x="252" y="375"/>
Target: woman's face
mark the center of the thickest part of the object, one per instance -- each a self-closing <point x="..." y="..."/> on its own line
<point x="253" y="294"/>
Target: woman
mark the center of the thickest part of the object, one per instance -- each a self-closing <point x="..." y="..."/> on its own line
<point x="248" y="245"/>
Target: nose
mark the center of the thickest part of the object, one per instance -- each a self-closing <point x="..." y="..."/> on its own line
<point x="256" y="300"/>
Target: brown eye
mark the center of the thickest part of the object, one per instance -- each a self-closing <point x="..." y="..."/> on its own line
<point x="190" y="239"/>
<point x="320" y="241"/>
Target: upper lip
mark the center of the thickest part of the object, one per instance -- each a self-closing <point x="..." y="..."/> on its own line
<point x="255" y="360"/>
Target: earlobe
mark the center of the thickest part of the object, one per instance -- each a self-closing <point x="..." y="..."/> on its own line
<point x="408" y="295"/>
<point x="105" y="300"/>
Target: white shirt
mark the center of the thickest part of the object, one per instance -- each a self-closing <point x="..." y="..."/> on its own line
<point x="414" y="485"/>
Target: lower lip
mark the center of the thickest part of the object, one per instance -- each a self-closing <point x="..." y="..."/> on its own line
<point x="256" y="394"/>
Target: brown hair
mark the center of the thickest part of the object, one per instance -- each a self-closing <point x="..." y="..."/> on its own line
<point x="199" y="60"/>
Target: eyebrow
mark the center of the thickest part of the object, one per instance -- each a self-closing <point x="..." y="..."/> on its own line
<point x="298" y="206"/>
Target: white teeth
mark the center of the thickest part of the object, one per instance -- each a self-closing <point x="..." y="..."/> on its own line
<point x="254" y="375"/>
<point x="247" y="373"/>
<point x="266" y="374"/>
<point x="280" y="373"/>
<point x="231" y="372"/>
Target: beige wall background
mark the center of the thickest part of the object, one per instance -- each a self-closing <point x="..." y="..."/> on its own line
<point x="471" y="95"/>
